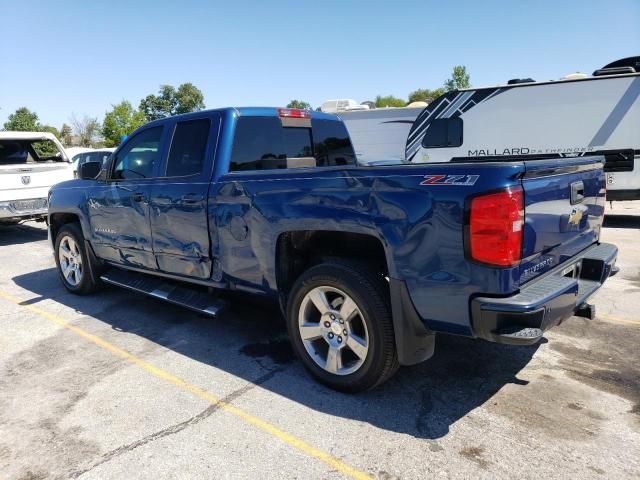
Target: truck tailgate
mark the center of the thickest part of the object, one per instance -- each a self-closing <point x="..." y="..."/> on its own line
<point x="31" y="180"/>
<point x="564" y="208"/>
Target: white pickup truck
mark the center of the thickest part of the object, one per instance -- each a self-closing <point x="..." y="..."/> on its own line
<point x="30" y="163"/>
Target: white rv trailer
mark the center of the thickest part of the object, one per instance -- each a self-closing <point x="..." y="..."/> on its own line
<point x="379" y="134"/>
<point x="594" y="115"/>
<point x="342" y="105"/>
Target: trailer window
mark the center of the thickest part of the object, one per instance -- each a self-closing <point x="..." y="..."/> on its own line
<point x="443" y="132"/>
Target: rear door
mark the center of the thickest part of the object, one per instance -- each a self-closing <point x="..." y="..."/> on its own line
<point x="261" y="146"/>
<point x="179" y="199"/>
<point x="564" y="208"/>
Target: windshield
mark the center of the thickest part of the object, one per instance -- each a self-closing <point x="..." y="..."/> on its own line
<point x="17" y="152"/>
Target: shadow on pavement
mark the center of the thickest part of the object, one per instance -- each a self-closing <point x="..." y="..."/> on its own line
<point x="249" y="341"/>
<point x="17" y="234"/>
<point x="621" y="221"/>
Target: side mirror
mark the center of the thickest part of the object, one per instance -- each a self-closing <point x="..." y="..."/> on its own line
<point x="89" y="170"/>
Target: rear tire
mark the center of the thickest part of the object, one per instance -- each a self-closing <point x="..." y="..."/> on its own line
<point x="340" y="326"/>
<point x="77" y="269"/>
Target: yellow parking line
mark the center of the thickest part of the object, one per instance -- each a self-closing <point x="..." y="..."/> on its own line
<point x="614" y="319"/>
<point x="183" y="385"/>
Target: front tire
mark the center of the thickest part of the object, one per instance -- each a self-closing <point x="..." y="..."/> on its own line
<point x="340" y="326"/>
<point x="76" y="269"/>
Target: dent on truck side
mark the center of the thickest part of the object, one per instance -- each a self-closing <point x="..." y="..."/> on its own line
<point x="420" y="228"/>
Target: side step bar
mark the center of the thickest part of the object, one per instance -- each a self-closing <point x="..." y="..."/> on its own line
<point x="159" y="288"/>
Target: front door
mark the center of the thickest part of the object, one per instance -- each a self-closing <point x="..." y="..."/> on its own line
<point x="179" y="199"/>
<point x="119" y="209"/>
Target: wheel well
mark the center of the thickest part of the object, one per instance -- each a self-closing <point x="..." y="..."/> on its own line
<point x="57" y="220"/>
<point x="299" y="250"/>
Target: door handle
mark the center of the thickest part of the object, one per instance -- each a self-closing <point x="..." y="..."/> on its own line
<point x="577" y="192"/>
<point x="192" y="198"/>
<point x="137" y="197"/>
<point x="122" y="187"/>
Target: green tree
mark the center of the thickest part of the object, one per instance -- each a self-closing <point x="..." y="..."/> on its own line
<point x="189" y="98"/>
<point x="161" y="105"/>
<point x="50" y="129"/>
<point x="65" y="135"/>
<point x="120" y="121"/>
<point x="22" y="120"/>
<point x="425" y="95"/>
<point x="389" y="101"/>
<point x="169" y="101"/>
<point x="459" y="79"/>
<point x="299" y="104"/>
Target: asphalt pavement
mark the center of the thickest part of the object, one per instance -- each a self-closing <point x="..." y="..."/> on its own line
<point x="117" y="385"/>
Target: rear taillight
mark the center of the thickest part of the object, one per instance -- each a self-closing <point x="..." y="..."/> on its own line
<point x="496" y="221"/>
<point x="293" y="113"/>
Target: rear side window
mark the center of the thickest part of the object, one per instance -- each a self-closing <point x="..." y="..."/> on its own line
<point x="13" y="152"/>
<point x="46" y="150"/>
<point x="443" y="132"/>
<point x="189" y="143"/>
<point x="262" y="143"/>
<point x="331" y="143"/>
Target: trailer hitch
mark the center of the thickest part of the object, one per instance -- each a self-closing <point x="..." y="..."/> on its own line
<point x="586" y="310"/>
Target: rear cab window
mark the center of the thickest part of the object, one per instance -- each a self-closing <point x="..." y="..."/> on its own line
<point x="267" y="143"/>
<point x="17" y="152"/>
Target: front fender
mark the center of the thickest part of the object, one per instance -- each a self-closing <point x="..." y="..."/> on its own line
<point x="69" y="199"/>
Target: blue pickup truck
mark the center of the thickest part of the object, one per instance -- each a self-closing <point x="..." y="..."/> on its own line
<point x="366" y="262"/>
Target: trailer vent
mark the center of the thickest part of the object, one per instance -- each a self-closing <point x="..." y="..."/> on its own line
<point x="624" y="65"/>
<point x="613" y="71"/>
<point x="515" y="81"/>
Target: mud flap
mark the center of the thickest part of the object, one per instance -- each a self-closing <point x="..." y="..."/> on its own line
<point x="414" y="342"/>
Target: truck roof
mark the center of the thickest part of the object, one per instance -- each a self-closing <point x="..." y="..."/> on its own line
<point x="12" y="135"/>
<point x="252" y="112"/>
<point x="273" y="112"/>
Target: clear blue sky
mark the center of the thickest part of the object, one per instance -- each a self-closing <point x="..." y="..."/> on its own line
<point x="63" y="57"/>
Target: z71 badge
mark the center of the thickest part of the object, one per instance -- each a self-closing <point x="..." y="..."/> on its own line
<point x="460" y="180"/>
